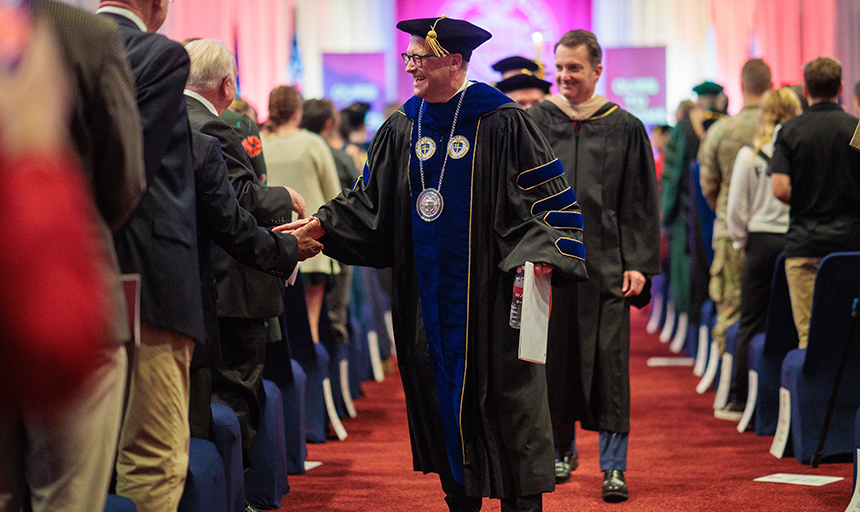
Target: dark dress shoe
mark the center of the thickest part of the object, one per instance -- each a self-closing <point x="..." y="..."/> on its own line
<point x="564" y="466"/>
<point x="614" y="486"/>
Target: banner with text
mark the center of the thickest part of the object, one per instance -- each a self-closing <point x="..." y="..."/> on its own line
<point x="635" y="79"/>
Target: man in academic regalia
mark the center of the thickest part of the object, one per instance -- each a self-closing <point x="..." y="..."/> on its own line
<point x="522" y="80"/>
<point x="685" y="218"/>
<point x="459" y="191"/>
<point x="607" y="158"/>
<point x="526" y="90"/>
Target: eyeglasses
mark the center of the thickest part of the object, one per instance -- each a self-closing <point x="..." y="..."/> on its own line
<point x="418" y="60"/>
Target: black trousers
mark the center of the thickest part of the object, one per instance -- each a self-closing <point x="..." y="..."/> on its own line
<point x="200" y="412"/>
<point x="760" y="257"/>
<point x="237" y="380"/>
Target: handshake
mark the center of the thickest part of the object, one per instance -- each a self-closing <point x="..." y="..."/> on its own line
<point x="307" y="231"/>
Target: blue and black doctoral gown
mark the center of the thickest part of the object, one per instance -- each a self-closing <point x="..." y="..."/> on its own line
<point x="476" y="412"/>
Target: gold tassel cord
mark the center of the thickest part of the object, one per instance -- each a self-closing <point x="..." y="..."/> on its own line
<point x="431" y="44"/>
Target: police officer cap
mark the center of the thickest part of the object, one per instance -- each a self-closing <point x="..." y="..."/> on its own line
<point x="708" y="89"/>
<point x="518" y="82"/>
<point x="515" y="63"/>
<point x="445" y="35"/>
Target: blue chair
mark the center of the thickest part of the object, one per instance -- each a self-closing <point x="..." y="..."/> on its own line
<point x="116" y="503"/>
<point x="768" y="349"/>
<point x="704" y="338"/>
<point x="856" y="445"/>
<point x="658" y="283"/>
<point x="725" y="379"/>
<point x="315" y="411"/>
<point x="291" y="379"/>
<point x="294" y="420"/>
<point x="205" y="487"/>
<point x="228" y="440"/>
<point x="266" y="482"/>
<point x="809" y="374"/>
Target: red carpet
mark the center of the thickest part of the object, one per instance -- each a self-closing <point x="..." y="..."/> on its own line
<point x="681" y="458"/>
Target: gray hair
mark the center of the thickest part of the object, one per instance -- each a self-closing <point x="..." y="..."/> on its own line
<point x="211" y="62"/>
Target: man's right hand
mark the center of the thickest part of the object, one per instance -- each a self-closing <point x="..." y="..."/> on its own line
<point x="307" y="237"/>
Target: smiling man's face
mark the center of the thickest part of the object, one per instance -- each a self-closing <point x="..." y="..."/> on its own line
<point x="433" y="80"/>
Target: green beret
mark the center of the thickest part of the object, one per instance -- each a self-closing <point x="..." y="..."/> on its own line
<point x="708" y="89"/>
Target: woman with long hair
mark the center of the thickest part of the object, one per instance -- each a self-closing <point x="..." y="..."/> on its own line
<point x="302" y="160"/>
<point x="757" y="223"/>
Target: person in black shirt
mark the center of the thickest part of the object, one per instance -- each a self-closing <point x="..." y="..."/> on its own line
<point x="815" y="171"/>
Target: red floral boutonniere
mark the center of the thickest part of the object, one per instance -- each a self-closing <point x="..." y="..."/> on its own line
<point x="252" y="145"/>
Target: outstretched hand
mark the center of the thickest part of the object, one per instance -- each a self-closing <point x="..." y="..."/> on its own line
<point x="307" y="232"/>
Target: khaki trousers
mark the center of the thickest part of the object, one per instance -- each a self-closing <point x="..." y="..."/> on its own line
<point x="153" y="447"/>
<point x="66" y="458"/>
<point x="800" y="274"/>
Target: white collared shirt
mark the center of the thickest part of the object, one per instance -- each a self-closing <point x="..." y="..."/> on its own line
<point x="125" y="13"/>
<point x="206" y="103"/>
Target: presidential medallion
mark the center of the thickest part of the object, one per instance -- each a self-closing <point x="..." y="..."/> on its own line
<point x="429" y="204"/>
<point x="424" y="148"/>
<point x="458" y="147"/>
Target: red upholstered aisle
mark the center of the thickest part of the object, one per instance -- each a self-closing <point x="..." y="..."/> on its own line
<point x="681" y="458"/>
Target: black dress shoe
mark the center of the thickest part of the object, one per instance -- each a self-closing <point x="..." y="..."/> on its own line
<point x="564" y="466"/>
<point x="614" y="486"/>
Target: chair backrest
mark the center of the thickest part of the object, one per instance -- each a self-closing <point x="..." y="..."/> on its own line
<point x="836" y="287"/>
<point x="780" y="332"/>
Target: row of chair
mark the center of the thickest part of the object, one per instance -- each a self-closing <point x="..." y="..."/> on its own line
<point x="777" y="368"/>
<point x="306" y="387"/>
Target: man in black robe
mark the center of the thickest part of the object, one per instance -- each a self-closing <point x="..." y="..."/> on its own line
<point x="478" y="416"/>
<point x="607" y="158"/>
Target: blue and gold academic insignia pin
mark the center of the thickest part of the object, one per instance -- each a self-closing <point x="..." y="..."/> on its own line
<point x="424" y="148"/>
<point x="458" y="147"/>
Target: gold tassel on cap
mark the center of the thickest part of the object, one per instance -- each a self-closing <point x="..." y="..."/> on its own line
<point x="431" y="43"/>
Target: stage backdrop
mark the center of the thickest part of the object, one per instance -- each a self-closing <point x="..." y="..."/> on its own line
<point x="513" y="24"/>
<point x="635" y="79"/>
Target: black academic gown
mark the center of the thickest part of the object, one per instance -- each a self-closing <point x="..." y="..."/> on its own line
<point x="609" y="163"/>
<point x="506" y="202"/>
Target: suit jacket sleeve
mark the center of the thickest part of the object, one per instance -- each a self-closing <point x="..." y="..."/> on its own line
<point x="160" y="91"/>
<point x="271" y="206"/>
<point x="119" y="173"/>
<point x="227" y="224"/>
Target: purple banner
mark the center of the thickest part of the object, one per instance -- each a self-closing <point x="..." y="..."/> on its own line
<point x="352" y="77"/>
<point x="635" y="79"/>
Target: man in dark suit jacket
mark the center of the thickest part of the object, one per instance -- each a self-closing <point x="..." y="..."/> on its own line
<point x="160" y="243"/>
<point x="234" y="230"/>
<point x="246" y="297"/>
<point x="68" y="457"/>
